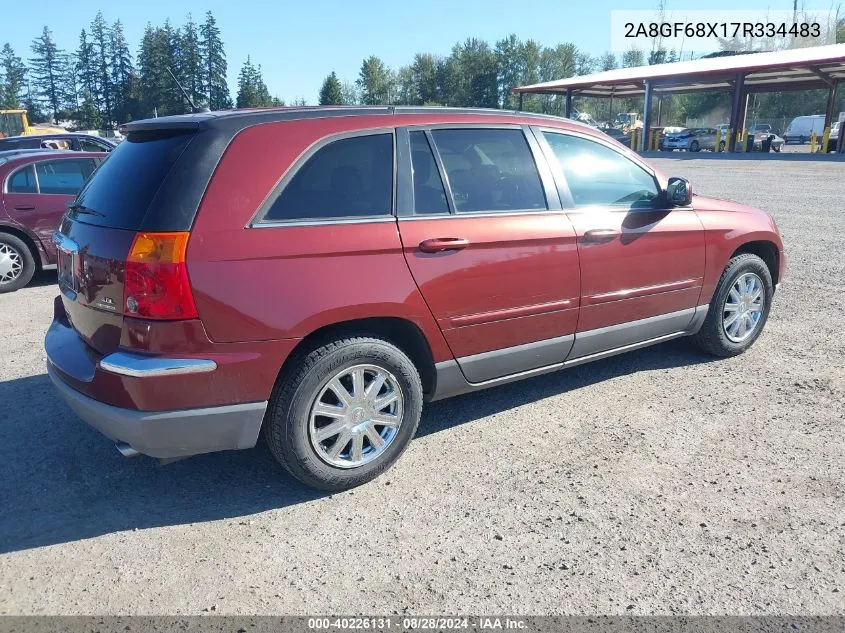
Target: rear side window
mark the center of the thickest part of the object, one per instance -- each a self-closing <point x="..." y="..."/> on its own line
<point x="598" y="175"/>
<point x="351" y="177"/>
<point x="23" y="181"/>
<point x="490" y="169"/>
<point x="64" y="177"/>
<point x="429" y="193"/>
<point x="91" y="146"/>
<point x="128" y="179"/>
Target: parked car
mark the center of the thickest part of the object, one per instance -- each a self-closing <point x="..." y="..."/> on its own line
<point x="691" y="139"/>
<point x="802" y="128"/>
<point x="321" y="273"/>
<point x="36" y="187"/>
<point x="69" y="141"/>
<point x="760" y="136"/>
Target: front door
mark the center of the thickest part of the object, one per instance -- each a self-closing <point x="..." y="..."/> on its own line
<point x="642" y="263"/>
<point x="492" y="253"/>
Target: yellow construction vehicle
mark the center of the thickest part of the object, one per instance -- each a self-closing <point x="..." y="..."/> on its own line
<point x="16" y="123"/>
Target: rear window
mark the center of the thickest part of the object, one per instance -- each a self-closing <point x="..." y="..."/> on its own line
<point x="120" y="192"/>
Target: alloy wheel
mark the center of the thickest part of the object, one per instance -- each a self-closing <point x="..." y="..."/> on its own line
<point x="743" y="308"/>
<point x="356" y="416"/>
<point x="11" y="264"/>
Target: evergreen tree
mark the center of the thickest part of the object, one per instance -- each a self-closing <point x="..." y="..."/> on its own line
<point x="510" y="72"/>
<point x="123" y="76"/>
<point x="104" y="95"/>
<point x="87" y="115"/>
<point x="633" y="58"/>
<point x="607" y="62"/>
<point x="375" y="82"/>
<point x="49" y="70"/>
<point x="12" y="79"/>
<point x="252" y="91"/>
<point x="192" y="69"/>
<point x="330" y="93"/>
<point x="213" y="56"/>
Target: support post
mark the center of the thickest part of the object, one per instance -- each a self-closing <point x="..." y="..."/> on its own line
<point x="646" y="115"/>
<point x="520" y="101"/>
<point x="828" y="112"/>
<point x="738" y="102"/>
<point x="569" y="103"/>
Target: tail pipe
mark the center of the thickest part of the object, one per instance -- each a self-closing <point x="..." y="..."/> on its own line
<point x="126" y="450"/>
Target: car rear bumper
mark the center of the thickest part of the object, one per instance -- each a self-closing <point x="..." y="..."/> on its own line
<point x="167" y="434"/>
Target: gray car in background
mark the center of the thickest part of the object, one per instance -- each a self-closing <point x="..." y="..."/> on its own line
<point x="692" y="139"/>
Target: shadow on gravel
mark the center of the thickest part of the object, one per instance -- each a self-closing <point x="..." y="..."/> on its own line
<point x="44" y="278"/>
<point x="62" y="481"/>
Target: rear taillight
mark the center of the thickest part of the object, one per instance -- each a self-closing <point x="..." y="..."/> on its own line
<point x="156" y="282"/>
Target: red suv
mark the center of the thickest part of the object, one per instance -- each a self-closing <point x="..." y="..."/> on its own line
<point x="319" y="273"/>
<point x="35" y="189"/>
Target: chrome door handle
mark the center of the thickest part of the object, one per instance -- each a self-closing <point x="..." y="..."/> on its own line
<point x="601" y="235"/>
<point x="440" y="244"/>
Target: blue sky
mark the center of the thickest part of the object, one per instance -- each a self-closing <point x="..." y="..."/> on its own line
<point x="299" y="43"/>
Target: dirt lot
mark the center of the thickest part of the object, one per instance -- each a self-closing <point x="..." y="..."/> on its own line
<point x="657" y="482"/>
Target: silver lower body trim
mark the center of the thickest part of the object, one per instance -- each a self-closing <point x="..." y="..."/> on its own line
<point x="451" y="381"/>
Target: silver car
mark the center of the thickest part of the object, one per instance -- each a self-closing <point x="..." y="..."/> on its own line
<point x="692" y="139"/>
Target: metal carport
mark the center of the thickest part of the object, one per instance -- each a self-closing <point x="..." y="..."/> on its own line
<point x="795" y="69"/>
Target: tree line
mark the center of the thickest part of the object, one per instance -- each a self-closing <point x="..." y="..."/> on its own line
<point x="101" y="84"/>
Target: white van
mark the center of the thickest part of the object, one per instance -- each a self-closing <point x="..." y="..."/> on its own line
<point x="802" y="128"/>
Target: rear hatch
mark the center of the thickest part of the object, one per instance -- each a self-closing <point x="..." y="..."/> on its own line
<point x="97" y="231"/>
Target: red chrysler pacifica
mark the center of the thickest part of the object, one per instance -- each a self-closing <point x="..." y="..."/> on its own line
<point x="319" y="273"/>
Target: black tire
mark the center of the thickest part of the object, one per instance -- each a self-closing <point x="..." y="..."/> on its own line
<point x="12" y="246"/>
<point x="776" y="148"/>
<point x="694" y="146"/>
<point x="722" y="146"/>
<point x="712" y="337"/>
<point x="286" y="425"/>
<point x="800" y="140"/>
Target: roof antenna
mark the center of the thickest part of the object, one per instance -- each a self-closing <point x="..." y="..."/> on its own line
<point x="194" y="108"/>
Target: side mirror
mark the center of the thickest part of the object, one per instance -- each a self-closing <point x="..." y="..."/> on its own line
<point x="679" y="192"/>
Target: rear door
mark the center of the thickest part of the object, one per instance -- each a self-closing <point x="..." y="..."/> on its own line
<point x="642" y="263"/>
<point x="489" y="248"/>
<point x="38" y="194"/>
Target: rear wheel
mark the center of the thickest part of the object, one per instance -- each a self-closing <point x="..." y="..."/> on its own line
<point x="721" y="146"/>
<point x="344" y="412"/>
<point x="739" y="308"/>
<point x="17" y="265"/>
<point x="694" y="146"/>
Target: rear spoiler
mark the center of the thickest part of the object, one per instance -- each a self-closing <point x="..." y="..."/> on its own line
<point x="179" y="122"/>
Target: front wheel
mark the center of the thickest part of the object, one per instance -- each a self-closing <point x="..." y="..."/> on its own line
<point x="739" y="308"/>
<point x="344" y="412"/>
<point x="722" y="146"/>
<point x="694" y="146"/>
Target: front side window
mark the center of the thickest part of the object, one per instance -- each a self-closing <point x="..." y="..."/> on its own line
<point x="351" y="177"/>
<point x="64" y="177"/>
<point x="429" y="193"/>
<point x="490" y="169"/>
<point x="598" y="175"/>
<point x="23" y="181"/>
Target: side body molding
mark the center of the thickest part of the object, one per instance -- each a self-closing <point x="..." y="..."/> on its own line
<point x="559" y="353"/>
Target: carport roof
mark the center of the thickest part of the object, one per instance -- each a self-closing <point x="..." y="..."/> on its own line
<point x="794" y="69"/>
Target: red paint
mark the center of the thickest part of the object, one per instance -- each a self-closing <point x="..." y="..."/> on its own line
<point x="513" y="279"/>
<point x="35" y="215"/>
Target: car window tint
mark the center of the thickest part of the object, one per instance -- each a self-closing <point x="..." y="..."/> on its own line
<point x="429" y="193"/>
<point x="490" y="169"/>
<point x="598" y="175"/>
<point x="91" y="146"/>
<point x="63" y="176"/>
<point x="23" y="181"/>
<point x="350" y="177"/>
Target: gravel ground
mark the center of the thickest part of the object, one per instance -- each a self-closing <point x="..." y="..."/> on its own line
<point x="660" y="482"/>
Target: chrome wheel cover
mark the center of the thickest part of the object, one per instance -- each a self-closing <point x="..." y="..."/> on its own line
<point x="743" y="308"/>
<point x="356" y="416"/>
<point x="11" y="264"/>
